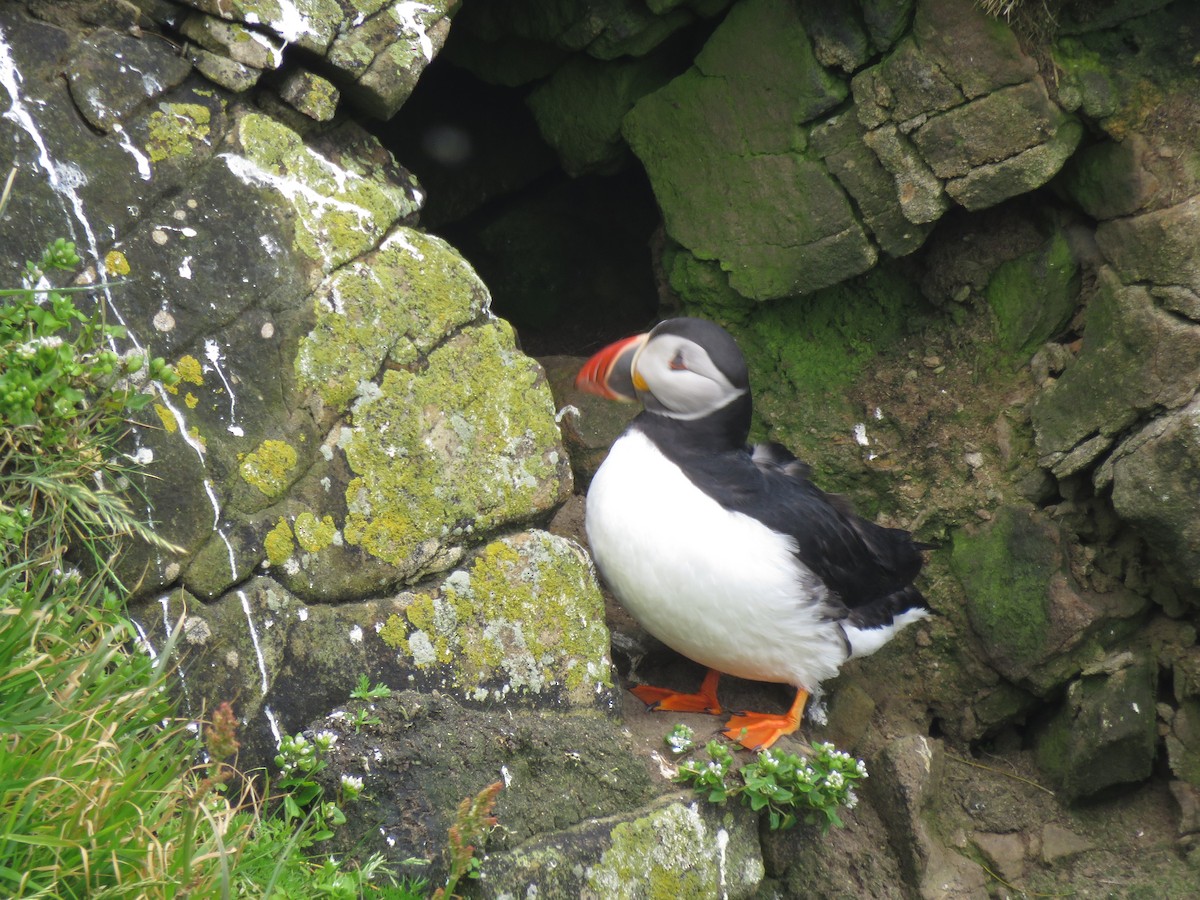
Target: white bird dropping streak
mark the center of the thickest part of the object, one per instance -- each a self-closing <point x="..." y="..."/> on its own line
<point x="212" y="352"/>
<point x="262" y="663"/>
<point x="139" y="158"/>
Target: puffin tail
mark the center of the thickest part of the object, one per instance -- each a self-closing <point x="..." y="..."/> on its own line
<point x="872" y="625"/>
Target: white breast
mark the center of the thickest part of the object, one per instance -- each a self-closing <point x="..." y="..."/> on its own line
<point x="717" y="586"/>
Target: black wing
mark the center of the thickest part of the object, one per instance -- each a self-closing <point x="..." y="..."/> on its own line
<point x="869" y="567"/>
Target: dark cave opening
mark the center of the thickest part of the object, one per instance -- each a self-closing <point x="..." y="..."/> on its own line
<point x="568" y="260"/>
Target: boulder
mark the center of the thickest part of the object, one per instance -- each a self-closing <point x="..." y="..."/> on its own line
<point x="1105" y="732"/>
<point x="719" y="146"/>
<point x="1037" y="623"/>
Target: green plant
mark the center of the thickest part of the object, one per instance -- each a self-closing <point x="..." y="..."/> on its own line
<point x="787" y="787"/>
<point x="364" y="690"/>
<point x="472" y="823"/>
<point x="65" y="392"/>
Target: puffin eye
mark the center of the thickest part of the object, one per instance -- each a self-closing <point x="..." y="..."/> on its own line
<point x="677" y="364"/>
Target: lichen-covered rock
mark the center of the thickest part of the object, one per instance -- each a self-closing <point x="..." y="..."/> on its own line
<point x="672" y="848"/>
<point x="424" y="753"/>
<point x="114" y="74"/>
<point x="1104" y="734"/>
<point x="310" y="24"/>
<point x="380" y="52"/>
<point x="521" y="623"/>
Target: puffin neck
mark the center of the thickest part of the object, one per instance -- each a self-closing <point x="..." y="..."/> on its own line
<point x="720" y="431"/>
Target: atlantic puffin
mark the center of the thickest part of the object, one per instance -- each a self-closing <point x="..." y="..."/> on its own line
<point x="728" y="553"/>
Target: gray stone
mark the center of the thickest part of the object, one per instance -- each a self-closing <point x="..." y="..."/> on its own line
<point x="310" y="24"/>
<point x="977" y="52"/>
<point x="1155" y="475"/>
<point x="1005" y="853"/>
<point x="1059" y="843"/>
<point x="234" y="40"/>
<point x="840" y="142"/>
<point x="1135" y="358"/>
<point x="231" y="75"/>
<point x="1104" y="734"/>
<point x="918" y="190"/>
<point x="1158" y="246"/>
<point x="987" y="130"/>
<point x="994" y="183"/>
<point x="112" y="75"/>
<point x="1112" y="179"/>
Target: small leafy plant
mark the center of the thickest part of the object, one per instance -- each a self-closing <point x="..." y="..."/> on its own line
<point x="364" y="690"/>
<point x="471" y="826"/>
<point x="787" y="787"/>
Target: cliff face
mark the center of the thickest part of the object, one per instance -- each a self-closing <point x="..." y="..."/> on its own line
<point x="958" y="252"/>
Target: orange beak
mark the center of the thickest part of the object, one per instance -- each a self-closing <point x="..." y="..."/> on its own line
<point x="611" y="373"/>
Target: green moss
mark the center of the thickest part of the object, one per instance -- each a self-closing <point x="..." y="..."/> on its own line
<point x="525" y="616"/>
<point x="359" y="322"/>
<point x="269" y="467"/>
<point x="1006" y="569"/>
<point x="470" y="439"/>
<point x="278" y="543"/>
<point x="313" y="534"/>
<point x="176" y="129"/>
<point x="805" y="353"/>
<point x="341" y="213"/>
<point x="1034" y="296"/>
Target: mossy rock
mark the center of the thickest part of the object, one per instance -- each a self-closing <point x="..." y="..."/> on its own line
<point x="1105" y="734"/>
<point x="1034" y="296"/>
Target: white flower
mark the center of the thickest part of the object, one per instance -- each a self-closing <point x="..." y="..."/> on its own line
<point x="352" y="786"/>
<point x="325" y="740"/>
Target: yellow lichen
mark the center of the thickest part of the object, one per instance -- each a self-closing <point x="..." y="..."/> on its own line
<point x="168" y="419"/>
<point x="190" y="400"/>
<point x="269" y="467"/>
<point x="278" y="543"/>
<point x="115" y="263"/>
<point x="188" y="369"/>
<point x="313" y="534"/>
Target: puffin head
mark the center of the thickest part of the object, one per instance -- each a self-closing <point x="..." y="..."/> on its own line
<point x="685" y="369"/>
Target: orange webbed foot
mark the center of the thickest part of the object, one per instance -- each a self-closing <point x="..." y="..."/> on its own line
<point x="758" y="731"/>
<point x="703" y="701"/>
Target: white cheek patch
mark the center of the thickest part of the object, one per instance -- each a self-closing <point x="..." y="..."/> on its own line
<point x="690" y="392"/>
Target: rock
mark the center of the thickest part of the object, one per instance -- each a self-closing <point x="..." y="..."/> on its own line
<point x="1104" y="734"/>
<point x="1034" y="296"/>
<point x="1135" y="358"/>
<point x="310" y="24"/>
<point x="674" y="848"/>
<point x="521" y="621"/>
<point x="902" y="784"/>
<point x="229" y="74"/>
<point x="580" y="108"/>
<point x="589" y="423"/>
<point x="841" y="142"/>
<point x="1036" y="622"/>
<point x="114" y="74"/>
<point x="233" y="40"/>
<point x="918" y="190"/>
<point x="377" y="58"/>
<point x="991" y="184"/>
<point x="310" y="94"/>
<point x="1059" y="843"/>
<point x="1188" y="797"/>
<point x="1154" y="476"/>
<point x="1005" y="853"/>
<point x="718" y="146"/>
<point x="1157" y="246"/>
<point x="427" y="752"/>
<point x="1112" y="179"/>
